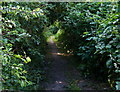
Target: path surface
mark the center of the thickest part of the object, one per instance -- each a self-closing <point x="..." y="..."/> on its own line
<point x="61" y="73"/>
<point x="57" y="70"/>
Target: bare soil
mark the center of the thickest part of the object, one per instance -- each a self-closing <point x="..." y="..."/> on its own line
<point x="61" y="74"/>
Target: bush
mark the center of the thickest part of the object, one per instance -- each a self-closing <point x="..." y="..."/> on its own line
<point x="23" y="45"/>
<point x="91" y="34"/>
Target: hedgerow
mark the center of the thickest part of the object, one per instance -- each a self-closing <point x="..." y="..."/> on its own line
<point x="23" y="45"/>
<point x="90" y="32"/>
<point x="87" y="30"/>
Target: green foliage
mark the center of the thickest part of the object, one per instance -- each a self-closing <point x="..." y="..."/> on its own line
<point x="23" y="45"/>
<point x="88" y="30"/>
<point x="91" y="34"/>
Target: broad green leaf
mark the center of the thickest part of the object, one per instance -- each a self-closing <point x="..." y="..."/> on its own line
<point x="28" y="59"/>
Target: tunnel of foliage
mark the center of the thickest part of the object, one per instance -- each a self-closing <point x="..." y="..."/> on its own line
<point x="87" y="30"/>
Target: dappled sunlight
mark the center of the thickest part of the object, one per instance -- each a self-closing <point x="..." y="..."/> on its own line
<point x="62" y="54"/>
<point x="51" y="39"/>
<point x="60" y="46"/>
<point x="59" y="82"/>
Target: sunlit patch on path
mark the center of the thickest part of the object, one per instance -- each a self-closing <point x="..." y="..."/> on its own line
<point x="61" y="54"/>
<point x="62" y="75"/>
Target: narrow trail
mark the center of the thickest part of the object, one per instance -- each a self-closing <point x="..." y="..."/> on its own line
<point x="61" y="73"/>
<point x="57" y="71"/>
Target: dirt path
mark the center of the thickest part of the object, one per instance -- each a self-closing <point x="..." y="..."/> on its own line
<point x="57" y="70"/>
<point x="62" y="75"/>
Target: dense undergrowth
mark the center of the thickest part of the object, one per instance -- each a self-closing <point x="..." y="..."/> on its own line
<point x="90" y="32"/>
<point x="23" y="46"/>
<point x="87" y="30"/>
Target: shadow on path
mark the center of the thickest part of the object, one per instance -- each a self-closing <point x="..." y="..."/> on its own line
<point x="56" y="76"/>
<point x="61" y="73"/>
